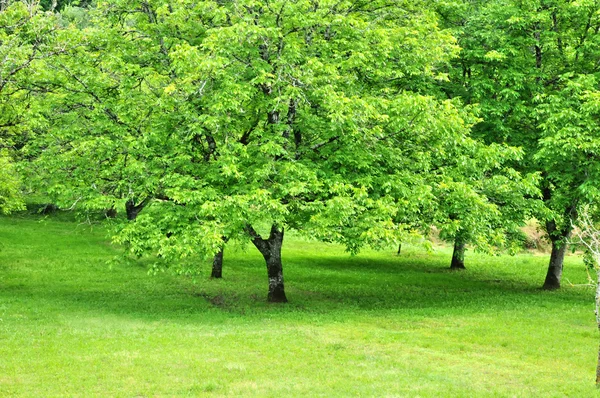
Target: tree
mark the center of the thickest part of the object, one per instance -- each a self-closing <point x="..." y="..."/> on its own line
<point x="94" y="121"/>
<point x="522" y="61"/>
<point x="249" y="118"/>
<point x="105" y="118"/>
<point x="485" y="203"/>
<point x="289" y="92"/>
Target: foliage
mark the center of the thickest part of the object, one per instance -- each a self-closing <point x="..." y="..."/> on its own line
<point x="100" y="131"/>
<point x="252" y="113"/>
<point x="24" y="33"/>
<point x="10" y="186"/>
<point x="60" y="5"/>
<point x="528" y="67"/>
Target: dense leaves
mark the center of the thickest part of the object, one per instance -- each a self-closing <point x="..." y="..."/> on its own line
<point x="532" y="68"/>
<point x="346" y="121"/>
<point x="24" y="37"/>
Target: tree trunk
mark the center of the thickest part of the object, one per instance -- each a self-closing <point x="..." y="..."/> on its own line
<point x="559" y="248"/>
<point x="217" y="268"/>
<point x="131" y="210"/>
<point x="271" y="250"/>
<point x="458" y="255"/>
<point x="552" y="281"/>
<point x="399" y="249"/>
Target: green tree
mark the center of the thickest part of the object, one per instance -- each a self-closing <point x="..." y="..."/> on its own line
<point x="289" y="102"/>
<point x="245" y="119"/>
<point x="483" y="201"/>
<point x="530" y="67"/>
<point x="104" y="120"/>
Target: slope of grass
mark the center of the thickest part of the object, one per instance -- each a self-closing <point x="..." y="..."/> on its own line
<point x="372" y="325"/>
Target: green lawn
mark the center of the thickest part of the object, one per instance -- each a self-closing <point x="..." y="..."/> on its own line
<point x="373" y="325"/>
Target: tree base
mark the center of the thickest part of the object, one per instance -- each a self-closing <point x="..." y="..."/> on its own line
<point x="272" y="298"/>
<point x="551" y="286"/>
<point x="217" y="268"/>
<point x="458" y="255"/>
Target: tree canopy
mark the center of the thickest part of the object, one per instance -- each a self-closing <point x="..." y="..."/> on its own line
<point x="239" y="118"/>
<point x="347" y="121"/>
<point x="531" y="68"/>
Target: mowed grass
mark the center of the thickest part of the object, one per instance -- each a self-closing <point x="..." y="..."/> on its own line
<point x="373" y="325"/>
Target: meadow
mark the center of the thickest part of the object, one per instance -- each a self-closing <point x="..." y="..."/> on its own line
<point x="74" y="323"/>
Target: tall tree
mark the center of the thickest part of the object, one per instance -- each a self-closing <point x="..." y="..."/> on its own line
<point x="529" y="66"/>
<point x="288" y="100"/>
<point x="247" y="119"/>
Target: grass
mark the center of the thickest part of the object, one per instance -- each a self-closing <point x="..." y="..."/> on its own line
<point x="372" y="325"/>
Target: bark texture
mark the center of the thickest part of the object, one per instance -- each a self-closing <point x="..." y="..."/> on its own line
<point x="458" y="254"/>
<point x="559" y="248"/>
<point x="555" y="267"/>
<point x="270" y="248"/>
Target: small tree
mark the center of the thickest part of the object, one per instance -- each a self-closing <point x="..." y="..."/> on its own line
<point x="480" y="200"/>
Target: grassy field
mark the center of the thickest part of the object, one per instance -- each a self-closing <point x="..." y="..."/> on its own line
<point x="373" y="325"/>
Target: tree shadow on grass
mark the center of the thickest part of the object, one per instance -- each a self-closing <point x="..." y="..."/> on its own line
<point x="62" y="268"/>
<point x="317" y="285"/>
